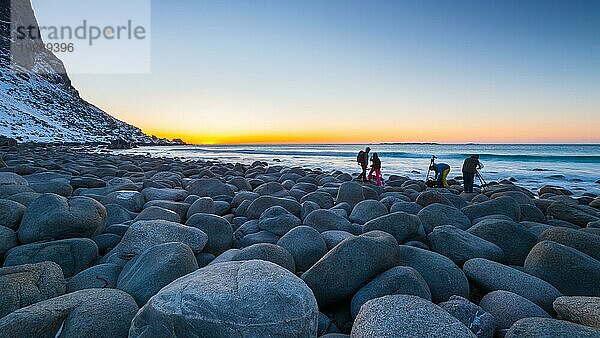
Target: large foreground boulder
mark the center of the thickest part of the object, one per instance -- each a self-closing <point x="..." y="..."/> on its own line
<point x="579" y="309"/>
<point x="156" y="267"/>
<point x="490" y="276"/>
<point x="350" y="265"/>
<point x="550" y="328"/>
<point x="400" y="280"/>
<point x="570" y="271"/>
<point x="231" y="299"/>
<point x="73" y="255"/>
<point x="406" y="316"/>
<point x="85" y="313"/>
<point x="51" y="217"/>
<point x="444" y="278"/>
<point x="27" y="284"/>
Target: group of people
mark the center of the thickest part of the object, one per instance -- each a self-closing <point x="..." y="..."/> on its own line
<point x="470" y="169"/>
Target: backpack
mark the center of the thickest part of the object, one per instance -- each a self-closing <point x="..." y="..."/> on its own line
<point x="360" y="158"/>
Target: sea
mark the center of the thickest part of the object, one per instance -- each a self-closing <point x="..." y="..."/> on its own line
<point x="575" y="167"/>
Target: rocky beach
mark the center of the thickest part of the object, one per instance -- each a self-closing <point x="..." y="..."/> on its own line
<point x="96" y="244"/>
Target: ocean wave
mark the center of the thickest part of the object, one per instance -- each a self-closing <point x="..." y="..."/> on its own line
<point x="396" y="154"/>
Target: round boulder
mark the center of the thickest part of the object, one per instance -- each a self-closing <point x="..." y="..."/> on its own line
<point x="513" y="238"/>
<point x="231" y="299"/>
<point x="306" y="246"/>
<point x="277" y="220"/>
<point x="400" y="280"/>
<point x="460" y="246"/>
<point x="404" y="227"/>
<point x="579" y="309"/>
<point x="437" y="214"/>
<point x="406" y="316"/>
<point x="267" y="252"/>
<point x="545" y="327"/>
<point x="51" y="217"/>
<point x="572" y="272"/>
<point x="367" y="210"/>
<point x="219" y="231"/>
<point x="508" y="307"/>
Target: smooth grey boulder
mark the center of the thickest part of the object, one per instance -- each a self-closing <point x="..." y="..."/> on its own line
<point x="218" y="230"/>
<point x="143" y="235"/>
<point x="431" y="197"/>
<point x="87" y="182"/>
<point x="460" y="246"/>
<point x="579" y="309"/>
<point x="106" y="242"/>
<point x="84" y="313"/>
<point x="587" y="243"/>
<point x="73" y="255"/>
<point x="500" y="206"/>
<point x="96" y="277"/>
<point x="572" y="272"/>
<point x="404" y="227"/>
<point x="51" y="217"/>
<point x="131" y="200"/>
<point x="508" y="307"/>
<point x="209" y="187"/>
<point x="406" y="316"/>
<point x="367" y="210"/>
<point x="350" y="265"/>
<point x="157" y="213"/>
<point x="334" y="237"/>
<point x="306" y="246"/>
<point x="324" y="220"/>
<point x="307" y="207"/>
<point x="480" y="322"/>
<point x="407" y="207"/>
<point x="267" y="252"/>
<point x="575" y="214"/>
<point x="203" y="205"/>
<point x="351" y="193"/>
<point x="231" y="299"/>
<point x="164" y="194"/>
<point x="8" y="240"/>
<point x="8" y="178"/>
<point x="444" y="278"/>
<point x="11" y="213"/>
<point x="323" y="199"/>
<point x="27" y="284"/>
<point x="262" y="203"/>
<point x="155" y="268"/>
<point x="550" y="328"/>
<point x="532" y="213"/>
<point x="262" y="236"/>
<point x="400" y="280"/>
<point x="513" y="238"/>
<point x="180" y="208"/>
<point x="53" y="186"/>
<point x="277" y="220"/>
<point x="437" y="214"/>
<point x="490" y="276"/>
<point x="116" y="214"/>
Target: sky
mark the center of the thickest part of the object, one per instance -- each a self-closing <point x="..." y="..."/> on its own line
<point x="358" y="71"/>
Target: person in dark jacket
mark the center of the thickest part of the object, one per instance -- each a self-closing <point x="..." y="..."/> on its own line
<point x="363" y="161"/>
<point x="469" y="169"/>
<point x="375" y="167"/>
<point x="441" y="173"/>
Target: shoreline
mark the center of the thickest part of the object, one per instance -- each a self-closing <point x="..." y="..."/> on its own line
<point x="311" y="251"/>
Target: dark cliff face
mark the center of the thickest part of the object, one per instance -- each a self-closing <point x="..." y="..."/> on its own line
<point x="37" y="100"/>
<point x="28" y="55"/>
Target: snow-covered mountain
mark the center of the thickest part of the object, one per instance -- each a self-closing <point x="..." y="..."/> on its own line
<point x="38" y="102"/>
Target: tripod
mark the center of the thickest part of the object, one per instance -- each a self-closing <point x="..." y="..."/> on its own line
<point x="433" y="158"/>
<point x="482" y="180"/>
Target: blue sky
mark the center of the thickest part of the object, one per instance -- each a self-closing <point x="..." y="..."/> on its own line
<point x="449" y="71"/>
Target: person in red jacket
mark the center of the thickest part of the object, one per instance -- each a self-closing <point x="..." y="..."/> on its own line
<point x="375" y="168"/>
